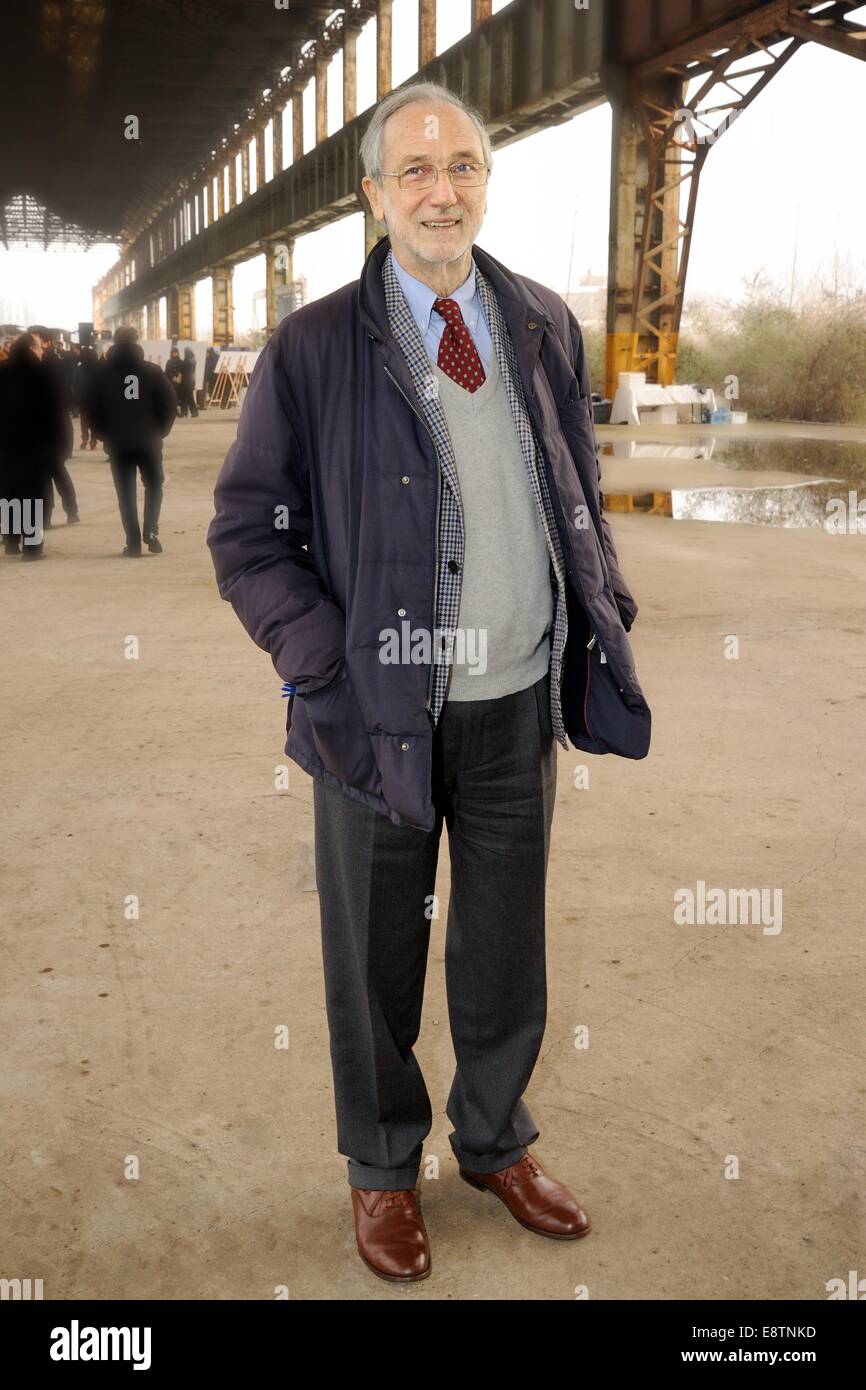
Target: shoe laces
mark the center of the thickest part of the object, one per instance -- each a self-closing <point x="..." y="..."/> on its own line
<point x="397" y="1199"/>
<point x="523" y="1170"/>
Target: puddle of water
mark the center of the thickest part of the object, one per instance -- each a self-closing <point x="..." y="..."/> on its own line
<point x="831" y="470"/>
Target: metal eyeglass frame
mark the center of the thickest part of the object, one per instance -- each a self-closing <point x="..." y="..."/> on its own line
<point x="438" y="169"/>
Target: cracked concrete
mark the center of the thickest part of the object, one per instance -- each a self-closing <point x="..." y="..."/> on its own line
<point x="155" y="1141"/>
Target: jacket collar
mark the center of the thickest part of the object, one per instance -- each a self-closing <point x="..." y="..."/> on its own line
<point x="522" y="310"/>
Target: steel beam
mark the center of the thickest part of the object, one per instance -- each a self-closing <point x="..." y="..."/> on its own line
<point x="830" y="28"/>
<point x="525" y="69"/>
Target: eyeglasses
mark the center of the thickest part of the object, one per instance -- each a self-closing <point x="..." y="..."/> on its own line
<point x="462" y="175"/>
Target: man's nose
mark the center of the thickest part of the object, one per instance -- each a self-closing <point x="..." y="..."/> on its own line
<point x="443" y="189"/>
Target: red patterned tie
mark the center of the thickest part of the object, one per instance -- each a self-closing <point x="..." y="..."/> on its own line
<point x="458" y="355"/>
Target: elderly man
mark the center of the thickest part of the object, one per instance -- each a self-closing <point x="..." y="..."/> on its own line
<point x="410" y="523"/>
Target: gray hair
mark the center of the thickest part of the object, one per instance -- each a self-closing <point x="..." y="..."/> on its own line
<point x="371" y="147"/>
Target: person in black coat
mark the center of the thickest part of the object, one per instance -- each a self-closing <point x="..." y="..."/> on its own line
<point x="186" y="394"/>
<point x="58" y="374"/>
<point x="32" y="429"/>
<point x="132" y="406"/>
<point x="210" y="364"/>
<point x="88" y="363"/>
<point x="174" y="370"/>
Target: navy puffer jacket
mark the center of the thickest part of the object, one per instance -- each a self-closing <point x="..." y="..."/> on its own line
<point x="317" y="544"/>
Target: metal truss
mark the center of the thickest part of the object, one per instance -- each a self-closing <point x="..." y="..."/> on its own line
<point x="730" y="66"/>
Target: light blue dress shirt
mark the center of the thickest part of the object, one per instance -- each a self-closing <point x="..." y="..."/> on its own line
<point x="431" y="326"/>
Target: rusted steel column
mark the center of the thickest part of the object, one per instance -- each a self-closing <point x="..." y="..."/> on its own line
<point x="278" y="140"/>
<point x="628" y="169"/>
<point x="260" y="157"/>
<point x="297" y="124"/>
<point x="384" y="68"/>
<point x="426" y="32"/>
<point x="481" y="10"/>
<point x="172" y="311"/>
<point x="321" y="99"/>
<point x="350" y="72"/>
<point x="223" y="306"/>
<point x="153" y="318"/>
<point x="245" y="168"/>
<point x="186" y="311"/>
<point x="279" y="256"/>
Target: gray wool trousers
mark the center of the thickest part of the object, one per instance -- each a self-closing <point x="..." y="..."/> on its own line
<point x="494" y="782"/>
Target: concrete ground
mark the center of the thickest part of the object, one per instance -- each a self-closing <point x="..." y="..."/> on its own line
<point x="156" y="1144"/>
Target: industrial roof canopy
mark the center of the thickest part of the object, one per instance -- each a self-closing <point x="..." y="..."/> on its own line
<point x="73" y="71"/>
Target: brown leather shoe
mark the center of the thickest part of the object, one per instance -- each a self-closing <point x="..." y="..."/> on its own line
<point x="538" y="1202"/>
<point x="391" y="1236"/>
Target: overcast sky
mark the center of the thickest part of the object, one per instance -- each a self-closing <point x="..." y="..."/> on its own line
<point x="789" y="170"/>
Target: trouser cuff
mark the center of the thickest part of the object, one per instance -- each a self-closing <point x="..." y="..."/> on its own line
<point x="382" y="1179"/>
<point x="484" y="1163"/>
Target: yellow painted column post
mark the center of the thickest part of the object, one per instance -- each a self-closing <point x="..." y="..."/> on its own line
<point x="321" y="99"/>
<point x="223" y="306"/>
<point x="426" y="32"/>
<point x="621" y="343"/>
<point x="297" y="123"/>
<point x="260" y="157"/>
<point x="172" y="300"/>
<point x="350" y="70"/>
<point x="278" y="141"/>
<point x="153" y="325"/>
<point x="186" y="311"/>
<point x="384" y="28"/>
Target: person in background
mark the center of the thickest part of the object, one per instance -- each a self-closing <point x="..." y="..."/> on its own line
<point x="71" y="358"/>
<point x="131" y="405"/>
<point x="88" y="362"/>
<point x="55" y="370"/>
<point x="32" y="429"/>
<point x="174" y="371"/>
<point x="210" y="372"/>
<point x="186" y="394"/>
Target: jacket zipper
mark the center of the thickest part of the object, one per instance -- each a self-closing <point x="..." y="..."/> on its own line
<point x="435" y="530"/>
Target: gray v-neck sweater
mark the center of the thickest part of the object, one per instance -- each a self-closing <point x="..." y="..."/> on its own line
<point x="506" y="602"/>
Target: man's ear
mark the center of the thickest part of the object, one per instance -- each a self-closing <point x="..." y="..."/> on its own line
<point x="373" y="192"/>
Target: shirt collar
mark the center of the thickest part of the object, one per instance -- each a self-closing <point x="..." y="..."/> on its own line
<point x="421" y="297"/>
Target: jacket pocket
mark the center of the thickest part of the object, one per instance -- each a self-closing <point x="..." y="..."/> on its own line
<point x="339" y="734"/>
<point x="618" y="718"/>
